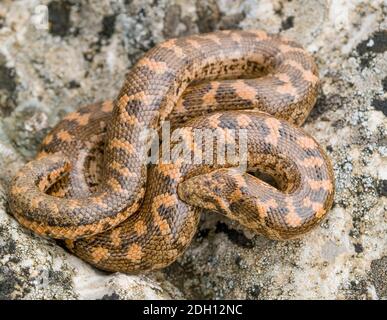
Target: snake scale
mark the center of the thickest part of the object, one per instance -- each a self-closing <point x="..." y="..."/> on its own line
<point x="91" y="186"/>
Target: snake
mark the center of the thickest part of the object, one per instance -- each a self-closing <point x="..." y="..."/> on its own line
<point x="92" y="186"/>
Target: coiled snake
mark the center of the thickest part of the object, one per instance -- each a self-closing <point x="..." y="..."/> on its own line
<point x="124" y="215"/>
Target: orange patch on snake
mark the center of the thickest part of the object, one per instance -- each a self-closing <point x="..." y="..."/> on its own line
<point x="42" y="154"/>
<point x="73" y="203"/>
<point x="140" y="228"/>
<point x="310" y="77"/>
<point x="228" y="136"/>
<point x="35" y="202"/>
<point x="209" y="98"/>
<point x="115" y="185"/>
<point x="319" y="209"/>
<point x="71" y="116"/>
<point x="295" y="64"/>
<point x="243" y="120"/>
<point x="274" y="125"/>
<point x="307" y="202"/>
<point x="180" y="105"/>
<point x="263" y="207"/>
<point x="54" y="209"/>
<point x="193" y="43"/>
<point x="236" y="37"/>
<point x="213" y="38"/>
<point x="123" y="102"/>
<point x="292" y="218"/>
<point x="124" y="171"/>
<point x="324" y="184"/>
<point x="142" y="97"/>
<point x="70" y="244"/>
<point x="307" y="74"/>
<point x="43" y="184"/>
<point x="171" y="45"/>
<point x="287" y="87"/>
<point x="286" y="48"/>
<point x="236" y="195"/>
<point x="99" y="201"/>
<point x="238" y="178"/>
<point x="134" y="253"/>
<point x="170" y="170"/>
<point x="48" y="139"/>
<point x="60" y="193"/>
<point x="261" y="35"/>
<point x="158" y="67"/>
<point x="64" y="136"/>
<point x="223" y="205"/>
<point x="54" y="175"/>
<point x="107" y="106"/>
<point x="19" y="189"/>
<point x="121" y="144"/>
<point x="170" y="200"/>
<point x="183" y="239"/>
<point x="174" y="173"/>
<point x="213" y="120"/>
<point x="306" y="142"/>
<point x="167" y="200"/>
<point x="115" y="236"/>
<point x="83" y="119"/>
<point x="168" y="44"/>
<point x="312" y="162"/>
<point x="98" y="254"/>
<point x="128" y="118"/>
<point x="244" y="91"/>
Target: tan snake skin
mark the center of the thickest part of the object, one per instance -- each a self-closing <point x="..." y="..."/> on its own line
<point x="124" y="215"/>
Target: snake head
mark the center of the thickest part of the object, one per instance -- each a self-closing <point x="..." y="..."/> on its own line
<point x="212" y="191"/>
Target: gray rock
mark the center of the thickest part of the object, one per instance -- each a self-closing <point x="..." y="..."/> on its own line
<point x="83" y="57"/>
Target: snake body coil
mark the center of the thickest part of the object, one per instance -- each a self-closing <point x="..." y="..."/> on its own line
<point x="122" y="215"/>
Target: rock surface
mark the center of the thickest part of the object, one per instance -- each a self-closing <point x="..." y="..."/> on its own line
<point x="83" y="57"/>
